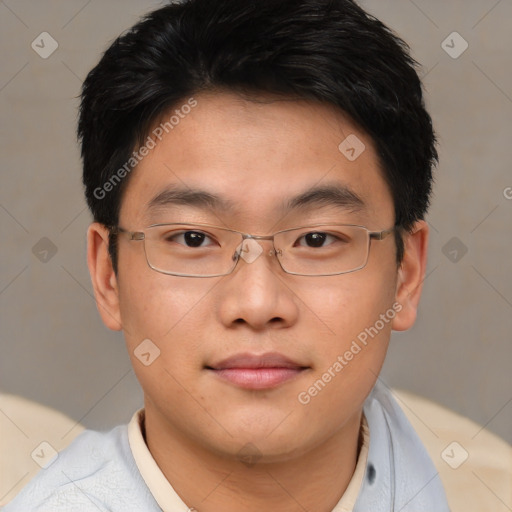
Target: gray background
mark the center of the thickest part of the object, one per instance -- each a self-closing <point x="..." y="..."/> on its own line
<point x="55" y="349"/>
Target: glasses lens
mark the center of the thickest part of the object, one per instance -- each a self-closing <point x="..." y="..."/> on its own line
<point x="323" y="250"/>
<point x="191" y="250"/>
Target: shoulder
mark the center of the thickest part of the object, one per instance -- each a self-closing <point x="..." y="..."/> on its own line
<point x="95" y="472"/>
<point x="400" y="472"/>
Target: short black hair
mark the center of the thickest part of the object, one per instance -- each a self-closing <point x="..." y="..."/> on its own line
<point x="330" y="51"/>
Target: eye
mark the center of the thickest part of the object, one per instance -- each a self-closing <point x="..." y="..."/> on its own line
<point x="188" y="238"/>
<point x="317" y="239"/>
<point x="320" y="239"/>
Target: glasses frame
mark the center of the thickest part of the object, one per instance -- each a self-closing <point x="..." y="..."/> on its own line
<point x="141" y="236"/>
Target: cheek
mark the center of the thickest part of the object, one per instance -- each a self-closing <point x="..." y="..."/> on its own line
<point x="343" y="306"/>
<point x="159" y="315"/>
<point x="162" y="308"/>
<point x="352" y="327"/>
<point x="349" y="357"/>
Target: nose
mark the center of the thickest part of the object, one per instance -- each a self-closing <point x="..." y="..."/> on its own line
<point x="255" y="294"/>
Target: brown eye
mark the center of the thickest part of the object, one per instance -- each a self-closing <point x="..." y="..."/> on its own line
<point x="188" y="238"/>
<point x="316" y="239"/>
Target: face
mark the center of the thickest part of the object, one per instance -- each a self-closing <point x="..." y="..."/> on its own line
<point x="257" y="356"/>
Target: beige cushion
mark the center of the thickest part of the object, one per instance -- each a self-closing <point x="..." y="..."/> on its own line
<point x="30" y="434"/>
<point x="475" y="465"/>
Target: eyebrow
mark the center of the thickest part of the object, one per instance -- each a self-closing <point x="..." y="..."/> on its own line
<point x="326" y="195"/>
<point x="189" y="197"/>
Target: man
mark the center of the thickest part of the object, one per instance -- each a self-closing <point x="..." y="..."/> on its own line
<point x="258" y="173"/>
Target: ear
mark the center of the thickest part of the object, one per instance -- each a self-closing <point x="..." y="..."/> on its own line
<point x="104" y="280"/>
<point x="411" y="275"/>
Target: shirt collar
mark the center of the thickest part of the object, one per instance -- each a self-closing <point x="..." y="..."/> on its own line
<point x="169" y="501"/>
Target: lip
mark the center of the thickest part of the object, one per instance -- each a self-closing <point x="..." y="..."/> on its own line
<point x="257" y="371"/>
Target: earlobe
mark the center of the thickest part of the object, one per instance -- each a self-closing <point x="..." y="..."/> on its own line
<point x="103" y="277"/>
<point x="411" y="275"/>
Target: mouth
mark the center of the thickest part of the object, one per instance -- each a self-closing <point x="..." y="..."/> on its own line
<point x="257" y="372"/>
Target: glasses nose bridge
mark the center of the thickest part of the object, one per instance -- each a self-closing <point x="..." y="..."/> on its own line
<point x="273" y="251"/>
<point x="258" y="237"/>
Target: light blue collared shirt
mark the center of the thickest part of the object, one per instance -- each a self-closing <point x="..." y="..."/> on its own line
<point x="97" y="471"/>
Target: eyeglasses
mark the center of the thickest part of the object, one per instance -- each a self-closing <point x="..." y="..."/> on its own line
<point x="202" y="250"/>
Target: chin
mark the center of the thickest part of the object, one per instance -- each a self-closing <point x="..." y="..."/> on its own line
<point x="266" y="445"/>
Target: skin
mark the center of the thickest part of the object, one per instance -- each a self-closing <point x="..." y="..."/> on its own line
<point x="256" y="154"/>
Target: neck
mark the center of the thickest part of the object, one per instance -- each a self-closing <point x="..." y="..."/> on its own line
<point x="208" y="482"/>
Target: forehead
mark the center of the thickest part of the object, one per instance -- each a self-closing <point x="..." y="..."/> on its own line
<point x="251" y="160"/>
